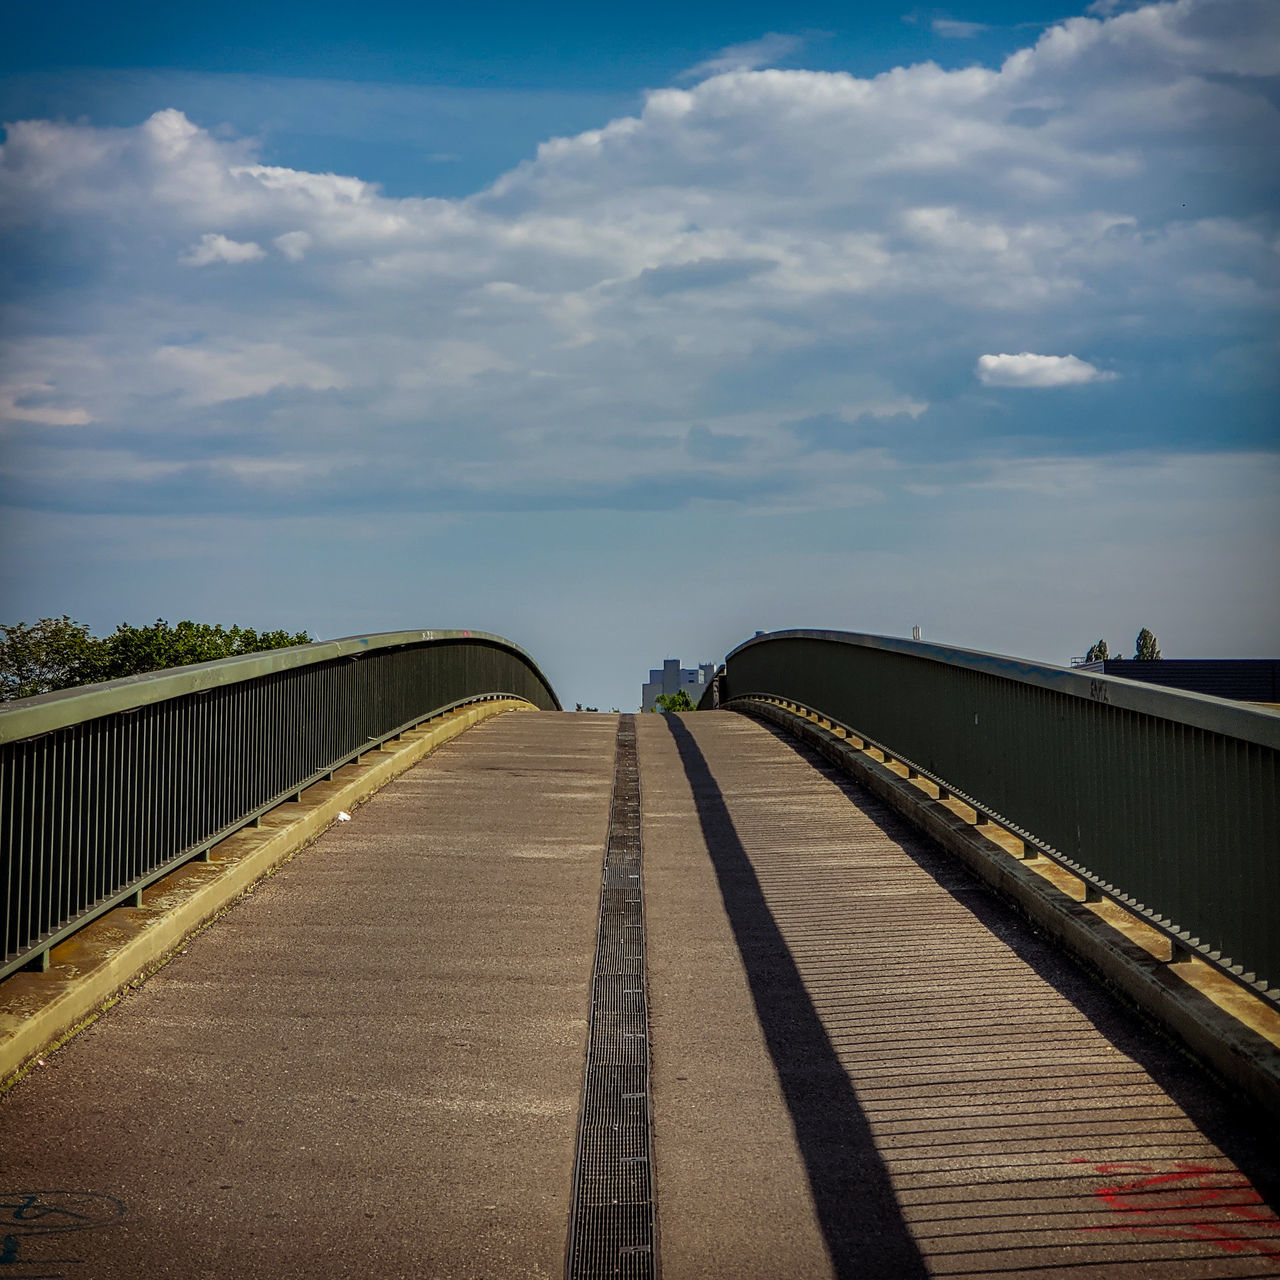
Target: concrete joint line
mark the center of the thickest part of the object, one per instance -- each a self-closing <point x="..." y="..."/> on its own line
<point x="1233" y="1034"/>
<point x="91" y="969"/>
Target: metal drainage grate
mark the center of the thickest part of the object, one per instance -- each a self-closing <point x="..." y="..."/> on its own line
<point x="612" y="1224"/>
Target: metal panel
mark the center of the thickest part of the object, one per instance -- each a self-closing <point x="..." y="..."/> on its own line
<point x="106" y="788"/>
<point x="1168" y="799"/>
<point x="1246" y="679"/>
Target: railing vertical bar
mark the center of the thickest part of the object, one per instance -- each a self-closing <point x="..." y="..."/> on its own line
<point x="52" y="763"/>
<point x="66" y="843"/>
<point x="30" y="848"/>
<point x="48" y="835"/>
<point x="235" y="715"/>
<point x="149" y="794"/>
<point x="67" y="853"/>
<point x="186" y="757"/>
<point x="129" y="776"/>
<point x="86" y="797"/>
<point x="222" y="763"/>
<point x="40" y="790"/>
<point x="92" y="805"/>
<point x="1166" y="796"/>
<point x="102" y="801"/>
<point x="21" y="896"/>
<point x="12" y="820"/>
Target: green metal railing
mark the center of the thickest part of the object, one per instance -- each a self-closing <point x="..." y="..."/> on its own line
<point x="105" y="788"/>
<point x="1165" y="800"/>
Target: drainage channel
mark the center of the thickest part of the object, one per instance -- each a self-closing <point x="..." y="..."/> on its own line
<point x="612" y="1229"/>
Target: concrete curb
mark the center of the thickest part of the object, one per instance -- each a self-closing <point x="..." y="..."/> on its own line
<point x="94" y="967"/>
<point x="1232" y="1033"/>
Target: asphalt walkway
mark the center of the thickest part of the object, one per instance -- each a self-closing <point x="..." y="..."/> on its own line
<point x="862" y="1064"/>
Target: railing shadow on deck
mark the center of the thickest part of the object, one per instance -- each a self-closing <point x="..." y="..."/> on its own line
<point x="854" y="1200"/>
<point x="1248" y="1141"/>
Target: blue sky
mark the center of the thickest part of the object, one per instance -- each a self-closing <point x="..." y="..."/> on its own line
<point x="627" y="334"/>
<point x="442" y="99"/>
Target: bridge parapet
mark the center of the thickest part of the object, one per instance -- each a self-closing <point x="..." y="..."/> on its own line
<point x="106" y="788"/>
<point x="1168" y="801"/>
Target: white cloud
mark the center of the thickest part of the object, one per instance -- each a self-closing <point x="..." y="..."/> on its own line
<point x="758" y="248"/>
<point x="954" y="29"/>
<point x="1029" y="370"/>
<point x="293" y="244"/>
<point x="218" y="248"/>
<point x="751" y="55"/>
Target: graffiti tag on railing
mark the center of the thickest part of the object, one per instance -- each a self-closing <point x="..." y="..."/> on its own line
<point x="1098" y="691"/>
<point x="1184" y="1200"/>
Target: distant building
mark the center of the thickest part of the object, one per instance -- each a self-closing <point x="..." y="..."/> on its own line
<point x="672" y="677"/>
<point x="1243" y="679"/>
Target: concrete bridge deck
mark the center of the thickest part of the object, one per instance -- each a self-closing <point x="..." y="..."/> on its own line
<point x="862" y="1064"/>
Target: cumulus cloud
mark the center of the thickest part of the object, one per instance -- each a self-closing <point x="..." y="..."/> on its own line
<point x="757" y="250"/>
<point x="1030" y="370"/>
<point x="218" y="248"/>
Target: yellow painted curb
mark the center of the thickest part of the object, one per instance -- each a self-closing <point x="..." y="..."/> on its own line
<point x="91" y="969"/>
<point x="1233" y="1033"/>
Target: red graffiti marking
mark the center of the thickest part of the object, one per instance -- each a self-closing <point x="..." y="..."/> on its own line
<point x="1186" y="1201"/>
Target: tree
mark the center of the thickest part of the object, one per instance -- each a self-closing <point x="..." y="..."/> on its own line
<point x="134" y="650"/>
<point x="668" y="702"/>
<point x="53" y="653"/>
<point x="1145" y="649"/>
<point x="1097" y="652"/>
<point x="57" y="653"/>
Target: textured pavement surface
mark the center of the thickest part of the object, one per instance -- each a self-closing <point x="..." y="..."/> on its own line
<point x="369" y="1067"/>
<point x="865" y="1066"/>
<point x="862" y="1064"/>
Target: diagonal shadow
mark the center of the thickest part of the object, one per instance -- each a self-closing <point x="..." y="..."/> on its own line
<point x="1246" y="1137"/>
<point x="857" y="1210"/>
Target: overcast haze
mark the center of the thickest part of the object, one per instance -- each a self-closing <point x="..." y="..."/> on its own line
<point x="627" y="347"/>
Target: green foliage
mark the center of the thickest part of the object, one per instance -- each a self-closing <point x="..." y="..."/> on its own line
<point x="1145" y="648"/>
<point x="57" y="653"/>
<point x="134" y="650"/>
<point x="668" y="702"/>
<point x="54" y="653"/>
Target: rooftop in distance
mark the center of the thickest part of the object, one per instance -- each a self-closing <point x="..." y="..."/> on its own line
<point x="671" y="677"/>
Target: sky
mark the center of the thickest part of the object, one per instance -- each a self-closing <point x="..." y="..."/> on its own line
<point x="628" y="334"/>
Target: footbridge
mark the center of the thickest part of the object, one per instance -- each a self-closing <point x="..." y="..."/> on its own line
<point x="892" y="960"/>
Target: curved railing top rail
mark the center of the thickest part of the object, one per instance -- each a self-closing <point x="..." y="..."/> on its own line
<point x="1219" y="715"/>
<point x="1163" y="799"/>
<point x="31" y="717"/>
